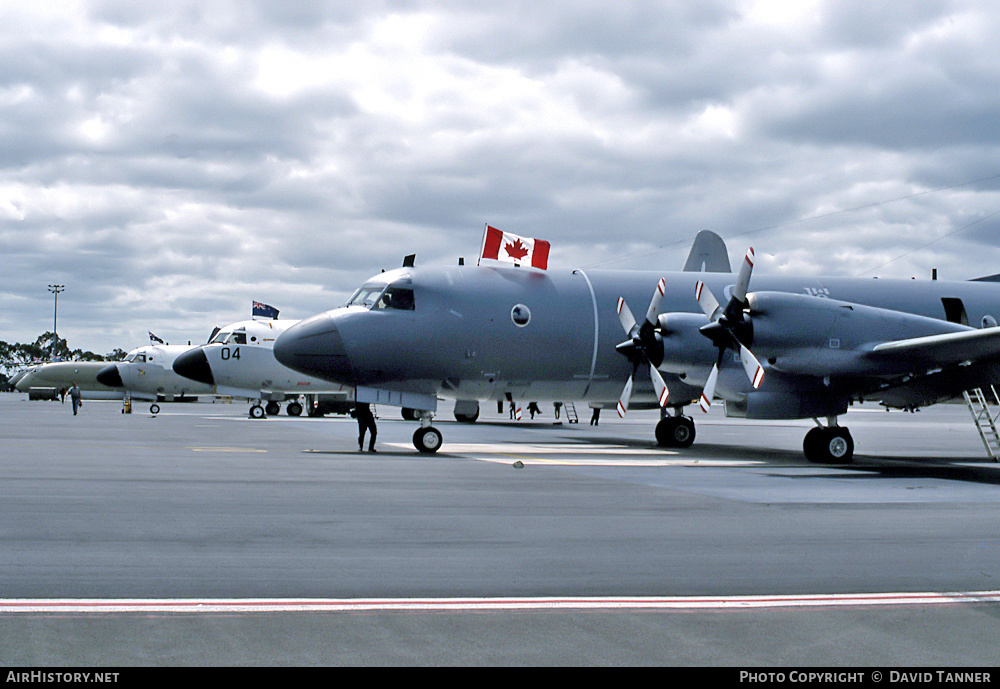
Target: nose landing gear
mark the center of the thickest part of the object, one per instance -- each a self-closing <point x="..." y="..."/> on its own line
<point x="427" y="439"/>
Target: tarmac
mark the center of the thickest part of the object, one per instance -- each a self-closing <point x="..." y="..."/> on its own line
<point x="201" y="537"/>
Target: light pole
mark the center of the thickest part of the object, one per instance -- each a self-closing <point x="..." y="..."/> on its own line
<point x="55" y="289"/>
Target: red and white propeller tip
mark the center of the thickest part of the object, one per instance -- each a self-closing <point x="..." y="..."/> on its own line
<point x="710" y="306"/>
<point x="705" y="401"/>
<point x="629" y="325"/>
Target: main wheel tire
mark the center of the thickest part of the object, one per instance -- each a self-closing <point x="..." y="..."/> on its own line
<point x="294" y="409"/>
<point x="675" y="431"/>
<point x="830" y="445"/>
<point x="256" y="412"/>
<point x="840" y="446"/>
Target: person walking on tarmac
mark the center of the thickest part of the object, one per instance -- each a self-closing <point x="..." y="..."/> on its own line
<point x="74" y="396"/>
<point x="366" y="422"/>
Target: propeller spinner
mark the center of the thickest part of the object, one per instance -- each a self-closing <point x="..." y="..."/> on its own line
<point x="729" y="328"/>
<point x="642" y="340"/>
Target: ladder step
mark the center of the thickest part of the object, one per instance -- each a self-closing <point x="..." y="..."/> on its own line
<point x="983" y="418"/>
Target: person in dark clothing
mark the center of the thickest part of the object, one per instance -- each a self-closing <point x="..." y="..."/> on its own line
<point x="366" y="422"/>
<point x="74" y="396"/>
<point x="595" y="417"/>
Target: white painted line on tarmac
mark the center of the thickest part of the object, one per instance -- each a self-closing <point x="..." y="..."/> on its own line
<point x="578" y="454"/>
<point x="227" y="449"/>
<point x="608" y="604"/>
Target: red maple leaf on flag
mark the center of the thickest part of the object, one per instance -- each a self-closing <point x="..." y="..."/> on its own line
<point x="517" y="250"/>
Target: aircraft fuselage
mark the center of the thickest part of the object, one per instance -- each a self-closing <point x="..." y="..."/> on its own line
<point x="470" y="332"/>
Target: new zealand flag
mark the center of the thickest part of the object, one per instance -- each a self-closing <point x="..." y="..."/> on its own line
<point x="264" y="310"/>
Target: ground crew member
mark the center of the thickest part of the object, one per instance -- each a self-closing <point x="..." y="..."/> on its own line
<point x="366" y="422"/>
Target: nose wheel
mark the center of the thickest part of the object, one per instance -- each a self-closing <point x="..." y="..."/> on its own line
<point x="427" y="439"/>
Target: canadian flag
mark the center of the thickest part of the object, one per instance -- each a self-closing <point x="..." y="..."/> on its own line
<point x="510" y="248"/>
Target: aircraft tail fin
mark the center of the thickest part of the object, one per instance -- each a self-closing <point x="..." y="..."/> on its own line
<point x="708" y="254"/>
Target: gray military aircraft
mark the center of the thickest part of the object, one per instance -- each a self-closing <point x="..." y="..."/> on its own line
<point x="792" y="348"/>
<point x="238" y="361"/>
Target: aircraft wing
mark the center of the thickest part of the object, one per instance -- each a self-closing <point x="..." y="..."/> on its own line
<point x="943" y="350"/>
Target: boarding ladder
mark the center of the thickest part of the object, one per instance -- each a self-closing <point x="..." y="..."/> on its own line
<point x="979" y="404"/>
<point x="571" y="416"/>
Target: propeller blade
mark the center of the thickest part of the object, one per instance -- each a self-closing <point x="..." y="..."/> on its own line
<point x="709" y="304"/>
<point x="743" y="280"/>
<point x="654" y="303"/>
<point x="623" y="400"/>
<point x="625" y="316"/>
<point x="659" y="385"/>
<point x="755" y="372"/>
<point x="638" y="346"/>
<point x="706" y="395"/>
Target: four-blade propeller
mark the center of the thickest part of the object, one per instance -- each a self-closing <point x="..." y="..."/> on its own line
<point x="641" y="343"/>
<point x="730" y="328"/>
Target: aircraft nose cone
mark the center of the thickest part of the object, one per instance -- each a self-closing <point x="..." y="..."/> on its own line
<point x="314" y="347"/>
<point x="193" y="364"/>
<point x="110" y="377"/>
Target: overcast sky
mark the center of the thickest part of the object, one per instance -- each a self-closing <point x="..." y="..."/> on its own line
<point x="169" y="163"/>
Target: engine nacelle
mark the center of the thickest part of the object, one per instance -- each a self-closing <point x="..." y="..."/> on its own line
<point x="783" y="405"/>
<point x="684" y="347"/>
<point x="817" y="336"/>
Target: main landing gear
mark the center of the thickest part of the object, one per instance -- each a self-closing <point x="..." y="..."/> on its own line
<point x="675" y="431"/>
<point x="830" y="444"/>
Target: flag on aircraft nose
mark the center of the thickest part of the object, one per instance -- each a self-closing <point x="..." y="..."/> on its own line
<point x="510" y="248"/>
<point x="154" y="339"/>
<point x="264" y="310"/>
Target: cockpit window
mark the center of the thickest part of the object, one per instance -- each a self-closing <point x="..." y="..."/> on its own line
<point x="239" y="337"/>
<point x="383" y="297"/>
<point x="396" y="298"/>
<point x="366" y="296"/>
<point x="221" y="336"/>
